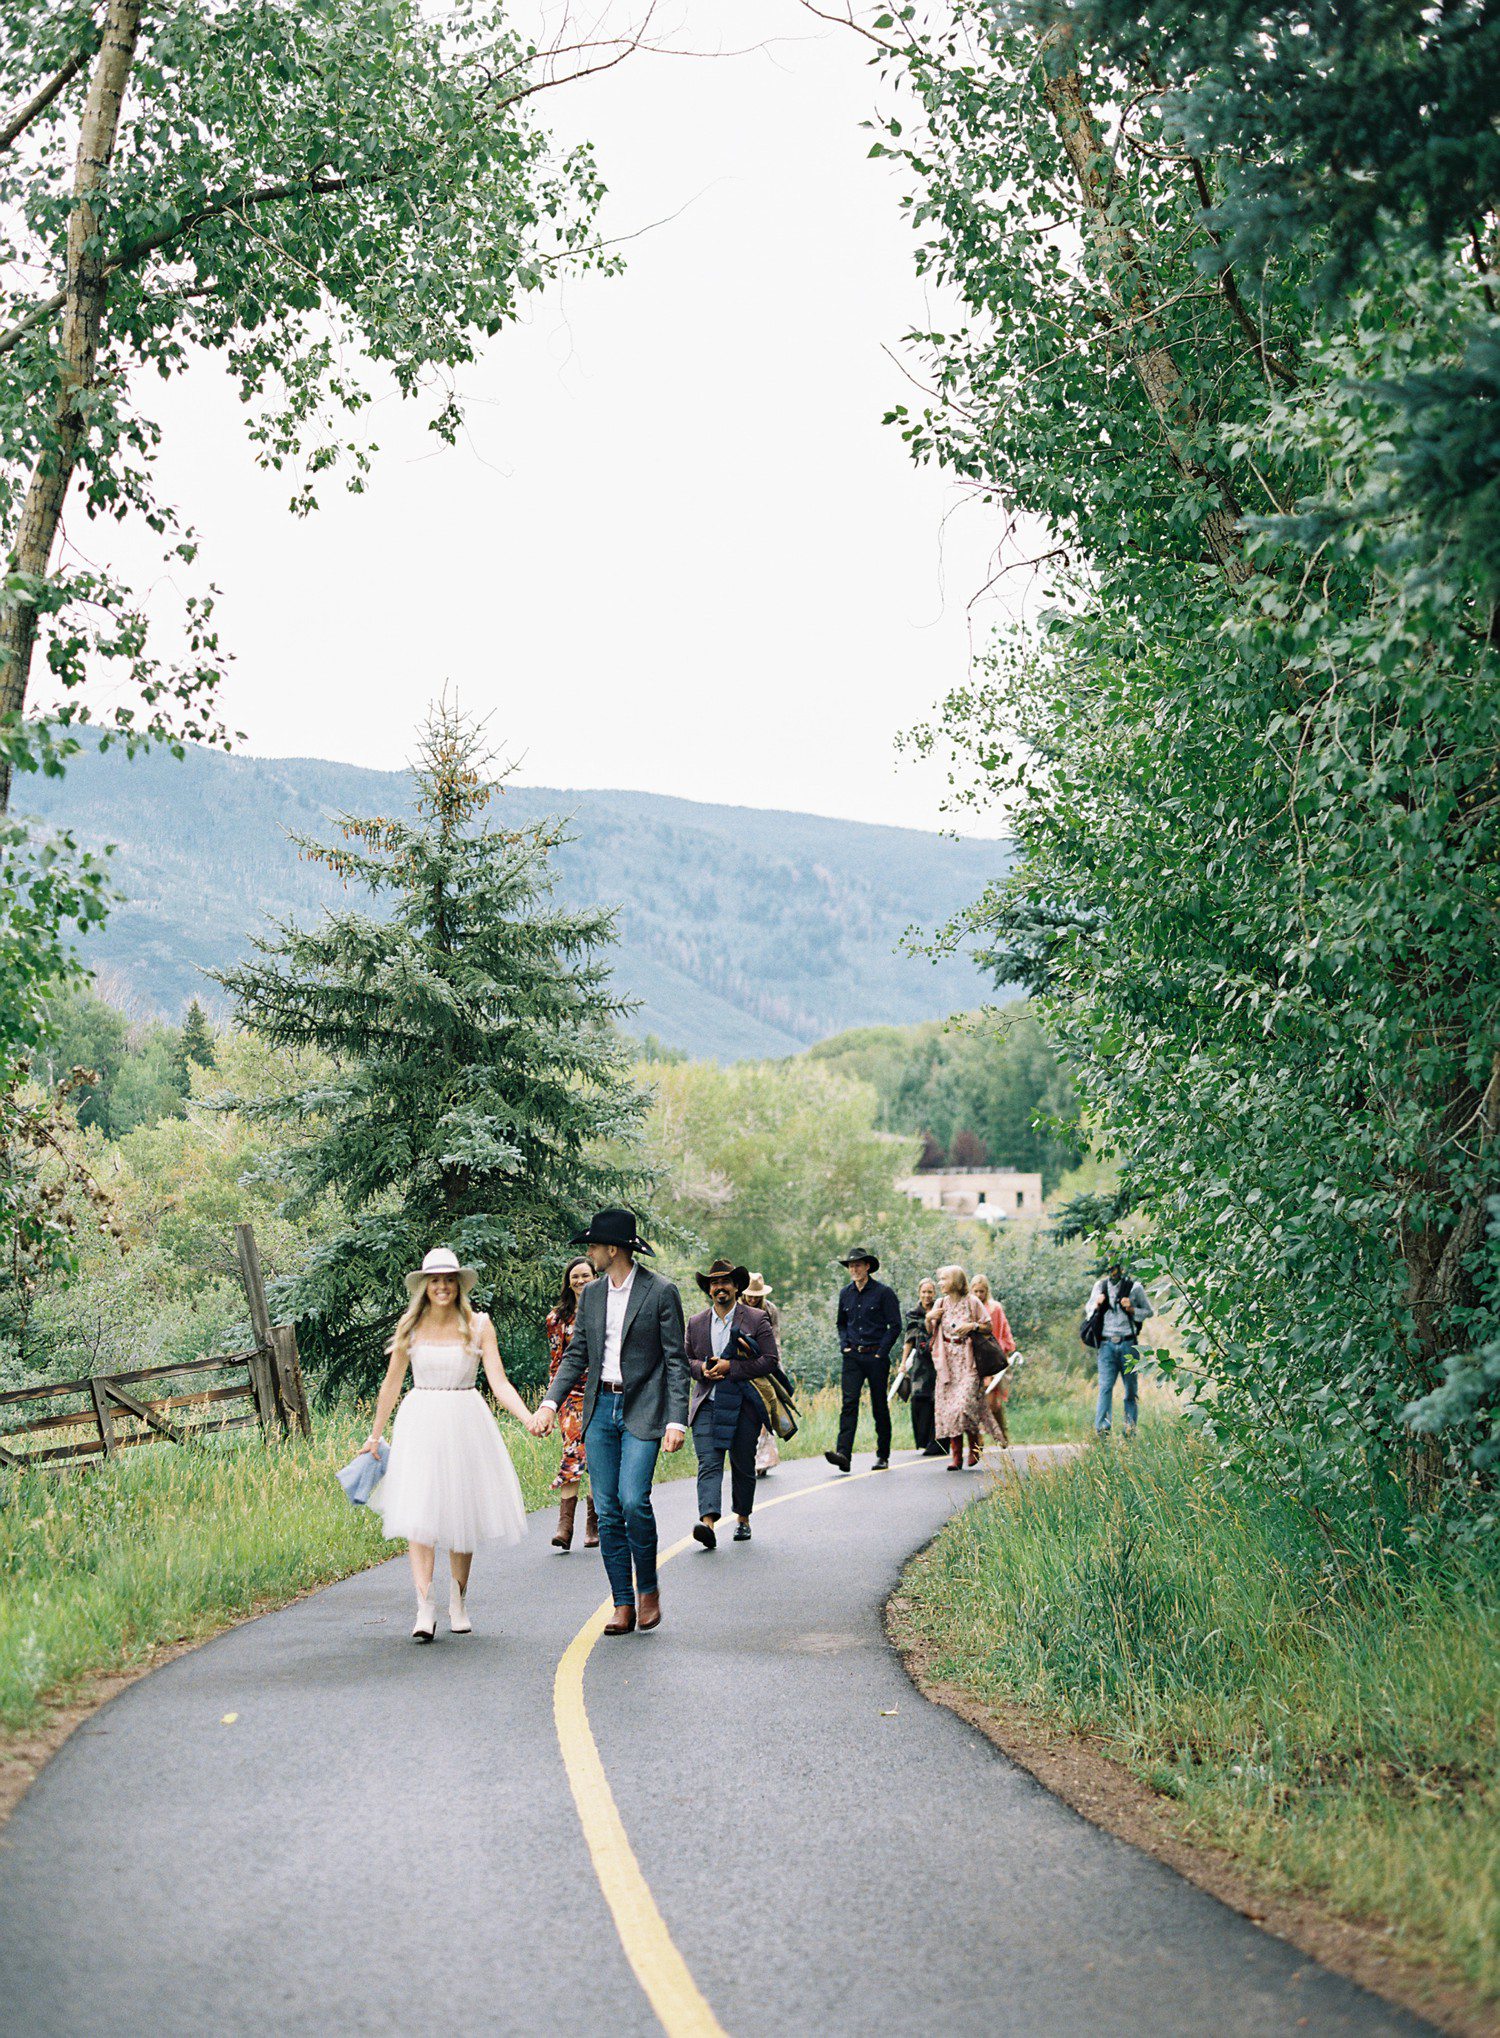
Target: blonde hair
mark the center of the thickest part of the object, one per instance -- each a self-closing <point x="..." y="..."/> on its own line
<point x="417" y="1308"/>
<point x="981" y="1280"/>
<point x="954" y="1276"/>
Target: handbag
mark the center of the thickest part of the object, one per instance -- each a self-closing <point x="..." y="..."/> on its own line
<point x="985" y="1347"/>
<point x="774" y="1390"/>
<point x="360" y="1477"/>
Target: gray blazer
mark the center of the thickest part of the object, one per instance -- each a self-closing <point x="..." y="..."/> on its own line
<point x="653" y="1365"/>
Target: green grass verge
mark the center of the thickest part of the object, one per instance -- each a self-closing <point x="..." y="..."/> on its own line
<point x="99" y="1569"/>
<point x="1332" y="1721"/>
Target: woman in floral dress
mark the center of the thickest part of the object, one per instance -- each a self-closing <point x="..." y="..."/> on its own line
<point x="570" y="1416"/>
<point x="960" y="1408"/>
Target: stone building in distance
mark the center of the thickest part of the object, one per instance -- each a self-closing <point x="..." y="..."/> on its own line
<point x="992" y="1194"/>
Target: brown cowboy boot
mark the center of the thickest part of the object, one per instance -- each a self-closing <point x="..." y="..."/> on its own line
<point x="566" y="1509"/>
<point x="623" y="1622"/>
<point x="590" y="1526"/>
<point x="650" y="1611"/>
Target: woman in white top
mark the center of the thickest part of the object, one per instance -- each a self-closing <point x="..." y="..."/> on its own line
<point x="448" y="1481"/>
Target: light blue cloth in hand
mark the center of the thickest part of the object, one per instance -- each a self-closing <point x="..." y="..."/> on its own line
<point x="359" y="1479"/>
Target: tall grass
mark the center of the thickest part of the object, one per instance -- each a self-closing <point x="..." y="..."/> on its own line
<point x="1333" y="1722"/>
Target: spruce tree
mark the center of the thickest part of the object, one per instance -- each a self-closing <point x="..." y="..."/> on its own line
<point x="195" y="1043"/>
<point x="480" y="1087"/>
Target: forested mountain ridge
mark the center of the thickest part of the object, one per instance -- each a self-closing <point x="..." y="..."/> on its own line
<point x="742" y="932"/>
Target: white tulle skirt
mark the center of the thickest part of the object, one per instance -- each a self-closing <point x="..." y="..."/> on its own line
<point x="449" y="1479"/>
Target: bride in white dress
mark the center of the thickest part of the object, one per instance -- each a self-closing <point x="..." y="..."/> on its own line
<point x="449" y="1481"/>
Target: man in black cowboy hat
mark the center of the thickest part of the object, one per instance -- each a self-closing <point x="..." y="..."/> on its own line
<point x="729" y="1345"/>
<point x="627" y="1347"/>
<point x="869" y="1325"/>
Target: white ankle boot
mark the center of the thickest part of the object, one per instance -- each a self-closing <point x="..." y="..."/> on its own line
<point x="426" y="1627"/>
<point x="458" y="1618"/>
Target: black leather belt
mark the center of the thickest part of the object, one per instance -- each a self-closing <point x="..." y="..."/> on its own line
<point x="611" y="1387"/>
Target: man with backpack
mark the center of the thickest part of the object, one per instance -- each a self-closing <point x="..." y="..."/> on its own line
<point x="1117" y="1308"/>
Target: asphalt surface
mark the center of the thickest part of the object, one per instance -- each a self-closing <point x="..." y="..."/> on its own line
<point x="384" y="1840"/>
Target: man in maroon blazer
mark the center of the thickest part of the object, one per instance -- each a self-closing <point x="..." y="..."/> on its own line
<point x="729" y="1345"/>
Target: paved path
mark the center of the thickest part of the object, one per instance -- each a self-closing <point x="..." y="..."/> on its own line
<point x="385" y="1841"/>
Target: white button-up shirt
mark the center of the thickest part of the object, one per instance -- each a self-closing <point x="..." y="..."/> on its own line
<point x="616" y="1302"/>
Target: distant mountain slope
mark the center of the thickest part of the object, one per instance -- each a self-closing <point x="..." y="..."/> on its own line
<point x="742" y="932"/>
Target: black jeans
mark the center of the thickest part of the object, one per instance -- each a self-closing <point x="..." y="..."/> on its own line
<point x="741" y="1459"/>
<point x="923" y="1426"/>
<point x="865" y="1369"/>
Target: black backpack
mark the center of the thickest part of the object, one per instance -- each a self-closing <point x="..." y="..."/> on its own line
<point x="1091" y="1330"/>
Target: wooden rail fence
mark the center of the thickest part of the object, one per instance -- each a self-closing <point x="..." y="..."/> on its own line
<point x="116" y="1411"/>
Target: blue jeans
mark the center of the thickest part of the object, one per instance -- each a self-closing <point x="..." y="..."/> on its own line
<point x="1115" y="1355"/>
<point x="621" y="1466"/>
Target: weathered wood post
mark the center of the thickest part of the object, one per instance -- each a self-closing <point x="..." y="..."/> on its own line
<point x="263" y="1358"/>
<point x="104" y="1416"/>
<point x="289" y="1378"/>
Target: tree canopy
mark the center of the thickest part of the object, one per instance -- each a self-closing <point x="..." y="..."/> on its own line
<point x="327" y="196"/>
<point x="1252" y="750"/>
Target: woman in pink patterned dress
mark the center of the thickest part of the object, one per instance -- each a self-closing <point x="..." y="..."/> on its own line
<point x="960" y="1409"/>
<point x="570" y="1416"/>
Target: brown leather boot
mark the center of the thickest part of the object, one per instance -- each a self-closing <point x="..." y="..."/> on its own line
<point x="590" y="1526"/>
<point x="566" y="1509"/>
<point x="956" y="1453"/>
<point x="650" y="1611"/>
<point x="973" y="1450"/>
<point x="623" y="1622"/>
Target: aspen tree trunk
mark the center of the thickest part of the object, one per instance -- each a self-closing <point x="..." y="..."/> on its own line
<point x="1125" y="278"/>
<point x="77" y="350"/>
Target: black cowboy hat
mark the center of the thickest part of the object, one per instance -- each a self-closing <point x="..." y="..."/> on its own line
<point x="724" y="1270"/>
<point x="613" y="1227"/>
<point x="861" y="1252"/>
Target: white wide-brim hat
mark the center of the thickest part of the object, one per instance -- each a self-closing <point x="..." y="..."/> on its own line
<point x="440" y="1261"/>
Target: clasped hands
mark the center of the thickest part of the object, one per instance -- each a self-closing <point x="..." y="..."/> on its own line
<point x="540" y="1424"/>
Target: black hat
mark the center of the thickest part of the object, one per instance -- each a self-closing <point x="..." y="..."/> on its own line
<point x="861" y="1252"/>
<point x="613" y="1227"/>
<point x="724" y="1270"/>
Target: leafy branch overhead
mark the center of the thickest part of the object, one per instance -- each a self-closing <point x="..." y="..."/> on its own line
<point x="324" y="194"/>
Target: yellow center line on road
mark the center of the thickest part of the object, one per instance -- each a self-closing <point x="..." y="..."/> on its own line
<point x="658" y="1966"/>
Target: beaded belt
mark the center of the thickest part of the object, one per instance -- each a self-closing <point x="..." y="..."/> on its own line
<point x="441" y="1390"/>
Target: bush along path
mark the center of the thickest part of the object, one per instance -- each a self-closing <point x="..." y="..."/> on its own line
<point x="1278" y="1717"/>
<point x="352" y="1822"/>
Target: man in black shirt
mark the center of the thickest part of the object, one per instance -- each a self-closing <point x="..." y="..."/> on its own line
<point x="869" y="1325"/>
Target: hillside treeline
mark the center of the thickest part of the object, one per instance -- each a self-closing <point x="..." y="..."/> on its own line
<point x="443" y="1060"/>
<point x="975" y="1089"/>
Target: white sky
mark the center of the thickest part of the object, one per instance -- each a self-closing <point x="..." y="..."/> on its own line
<point x="679" y="519"/>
